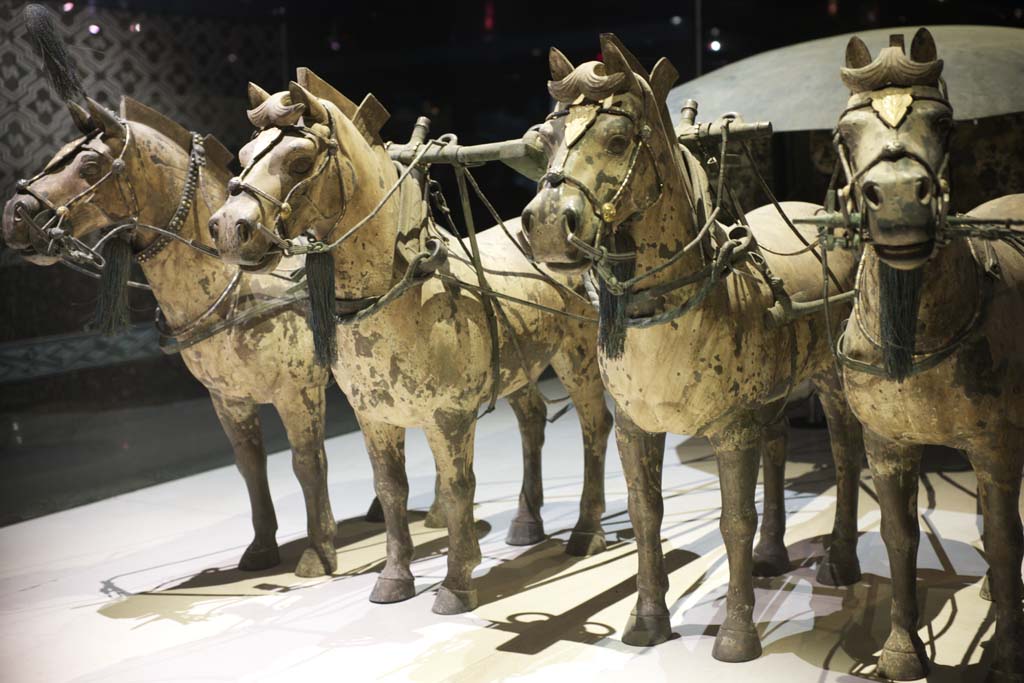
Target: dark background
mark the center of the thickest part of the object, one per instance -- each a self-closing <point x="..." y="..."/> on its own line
<point x="82" y="418"/>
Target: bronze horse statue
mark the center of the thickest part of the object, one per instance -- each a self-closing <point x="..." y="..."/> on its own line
<point x="685" y="344"/>
<point x="411" y="352"/>
<point x="932" y="352"/>
<point x="144" y="168"/>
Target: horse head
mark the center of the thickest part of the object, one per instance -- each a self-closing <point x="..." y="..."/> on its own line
<point x="300" y="170"/>
<point x="893" y="139"/>
<point x="609" y="133"/>
<point x="78" y="191"/>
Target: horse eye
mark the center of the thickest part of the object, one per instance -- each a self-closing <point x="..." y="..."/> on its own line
<point x="90" y="169"/>
<point x="617" y="144"/>
<point x="300" y="166"/>
<point x="944" y="123"/>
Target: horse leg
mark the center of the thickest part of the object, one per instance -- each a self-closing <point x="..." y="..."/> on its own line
<point x="582" y="379"/>
<point x="527" y="526"/>
<point x="435" y="513"/>
<point x="304" y="422"/>
<point x="386" y="446"/>
<point x="241" y="423"/>
<point x="737" y="456"/>
<point x="999" y="484"/>
<point x="894" y="471"/>
<point x="770" y="555"/>
<point x="840" y="566"/>
<point x="451" y="440"/>
<point x="642" y="454"/>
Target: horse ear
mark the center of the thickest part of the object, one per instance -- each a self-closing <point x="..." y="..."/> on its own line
<point x="663" y="77"/>
<point x="315" y="111"/>
<point x="257" y="95"/>
<point x="559" y="63"/>
<point x="857" y="53"/>
<point x="616" y="63"/>
<point x="922" y="48"/>
<point x="80" y="116"/>
<point x="608" y="39"/>
<point x="104" y="119"/>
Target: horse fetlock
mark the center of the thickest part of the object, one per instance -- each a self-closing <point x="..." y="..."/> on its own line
<point x="451" y="601"/>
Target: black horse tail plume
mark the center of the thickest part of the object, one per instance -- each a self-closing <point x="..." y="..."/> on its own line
<point x="112" y="315"/>
<point x="900" y="295"/>
<point x="322" y="318"/>
<point x="49" y="43"/>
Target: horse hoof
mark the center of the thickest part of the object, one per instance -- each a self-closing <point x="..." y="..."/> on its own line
<point x="770" y="559"/>
<point x="902" y="666"/>
<point x="392" y="590"/>
<point x="833" y="573"/>
<point x="645" y="630"/>
<point x="376" y="512"/>
<point x="586" y="543"/>
<point x="736" y="646"/>
<point x="435" y="518"/>
<point x="450" y="601"/>
<point x="525" y="532"/>
<point x="312" y="565"/>
<point x="255" y="558"/>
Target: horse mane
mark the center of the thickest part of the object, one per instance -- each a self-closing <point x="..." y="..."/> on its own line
<point x="137" y="112"/>
<point x="892" y="67"/>
<point x="369" y="117"/>
<point x="590" y="80"/>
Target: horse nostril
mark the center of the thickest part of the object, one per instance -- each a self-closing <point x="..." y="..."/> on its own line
<point x="212" y="225"/>
<point x="527" y="220"/>
<point x="244" y="228"/>
<point x="873" y="194"/>
<point x="924" y="190"/>
<point x="572" y="220"/>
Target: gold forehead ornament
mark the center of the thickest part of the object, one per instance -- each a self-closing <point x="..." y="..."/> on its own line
<point x="891" y="105"/>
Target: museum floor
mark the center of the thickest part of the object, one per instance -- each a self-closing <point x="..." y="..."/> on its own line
<point x="143" y="586"/>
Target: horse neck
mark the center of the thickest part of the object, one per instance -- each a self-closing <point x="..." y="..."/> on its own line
<point x="364" y="264"/>
<point x="184" y="281"/>
<point x="669" y="224"/>
<point x="949" y="295"/>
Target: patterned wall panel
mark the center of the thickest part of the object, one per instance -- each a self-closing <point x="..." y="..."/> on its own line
<point x="191" y="69"/>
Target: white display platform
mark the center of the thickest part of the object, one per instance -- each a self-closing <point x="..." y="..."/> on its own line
<point x="143" y="587"/>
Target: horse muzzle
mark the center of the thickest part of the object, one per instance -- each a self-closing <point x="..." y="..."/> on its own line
<point x="550" y="222"/>
<point x="901" y="200"/>
<point x="23" y="218"/>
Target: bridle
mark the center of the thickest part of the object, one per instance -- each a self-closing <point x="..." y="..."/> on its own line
<point x="283" y="208"/>
<point x="736" y="248"/>
<point x="74" y="251"/>
<point x="606" y="211"/>
<point x="890" y="152"/>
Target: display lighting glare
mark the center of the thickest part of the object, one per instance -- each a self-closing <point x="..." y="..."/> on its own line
<point x="135" y="27"/>
<point x="68" y="6"/>
<point x="715" y="46"/>
<point x="676" y="20"/>
<point x="94" y="29"/>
